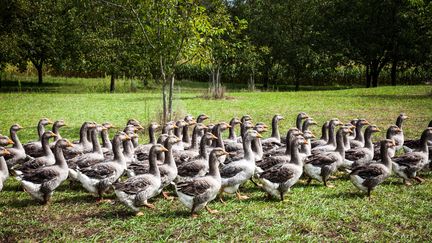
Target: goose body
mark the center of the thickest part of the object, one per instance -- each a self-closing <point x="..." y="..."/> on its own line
<point x="98" y="178"/>
<point x="4" y="171"/>
<point x="324" y="136"/>
<point x="143" y="150"/>
<point x="407" y="165"/>
<point x="366" y="177"/>
<point x="275" y="136"/>
<point x="331" y="143"/>
<point x="137" y="190"/>
<point x="17" y="153"/>
<point x="197" y="192"/>
<point x="34" y="148"/>
<point x="239" y="171"/>
<point x="84" y="145"/>
<point x="41" y="183"/>
<point x="277" y="180"/>
<point x="87" y="159"/>
<point x="320" y="166"/>
<point x="363" y="155"/>
<point x="47" y="157"/>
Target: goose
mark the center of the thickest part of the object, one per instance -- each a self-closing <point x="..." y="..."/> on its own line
<point x="169" y="127"/>
<point x="368" y="176"/>
<point x="305" y="148"/>
<point x="138" y="126"/>
<point x="407" y="165"/>
<point x="98" y="178"/>
<point x="392" y="131"/>
<point x="198" y="164"/>
<point x="34" y="149"/>
<point x="178" y="131"/>
<point x="256" y="146"/>
<point x="353" y="122"/>
<point x="277" y="180"/>
<point x="217" y="131"/>
<point x="307" y="123"/>
<point x="238" y="172"/>
<point x="84" y="145"/>
<point x="194" y="151"/>
<point x="232" y="146"/>
<point x="200" y="119"/>
<point x="129" y="149"/>
<point x="104" y="133"/>
<point x="399" y="138"/>
<point x="331" y="143"/>
<point x="137" y="190"/>
<point x="359" y="139"/>
<point x="321" y="165"/>
<point x="5" y="141"/>
<point x="186" y="139"/>
<point x="40" y="183"/>
<point x="324" y="137"/>
<point x="275" y="136"/>
<point x="300" y="117"/>
<point x="363" y="155"/>
<point x="279" y="155"/>
<point x="168" y="170"/>
<point x="17" y="153"/>
<point x="4" y="171"/>
<point x="411" y="145"/>
<point x="196" y="193"/>
<point x="56" y="129"/>
<point x="246" y="121"/>
<point x="347" y="139"/>
<point x="87" y="159"/>
<point x="232" y="137"/>
<point x="142" y="151"/>
<point x="47" y="157"/>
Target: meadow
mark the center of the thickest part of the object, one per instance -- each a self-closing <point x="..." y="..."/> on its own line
<point x="309" y="213"/>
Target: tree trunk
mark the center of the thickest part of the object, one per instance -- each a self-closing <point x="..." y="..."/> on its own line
<point x="368" y="76"/>
<point x="39" y="71"/>
<point x="112" y="83"/>
<point x="394" y="71"/>
<point x="251" y="84"/>
<point x="171" y="89"/>
<point x="374" y="73"/>
<point x="266" y="77"/>
<point x="164" y="83"/>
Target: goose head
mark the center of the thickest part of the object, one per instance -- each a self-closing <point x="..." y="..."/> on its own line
<point x="64" y="143"/>
<point x="59" y="123"/>
<point x="4" y="151"/>
<point x="16" y="127"/>
<point x="202" y="118"/>
<point x="5" y="140"/>
<point x="45" y="121"/>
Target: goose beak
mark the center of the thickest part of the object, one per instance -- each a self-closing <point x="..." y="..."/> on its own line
<point x="259" y="135"/>
<point x="50" y="122"/>
<point x="127" y="137"/>
<point x="192" y="122"/>
<point x="301" y="133"/>
<point x="229" y="126"/>
<point x="163" y="149"/>
<point x="10" y="141"/>
<point x="53" y="134"/>
<point x="398" y="130"/>
<point x="313" y="136"/>
<point x="314" y="123"/>
<point x="214" y="137"/>
<point x="377" y="130"/>
<point x="365" y="123"/>
<point x="20" y="127"/>
<point x="6" y="152"/>
<point x="305" y="142"/>
<point x="104" y="128"/>
<point x="69" y="144"/>
<point x="175" y="126"/>
<point x="225" y="153"/>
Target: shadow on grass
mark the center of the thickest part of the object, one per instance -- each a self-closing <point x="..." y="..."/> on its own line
<point x="77" y="199"/>
<point x="20" y="203"/>
<point x="345" y="195"/>
<point x="114" y="214"/>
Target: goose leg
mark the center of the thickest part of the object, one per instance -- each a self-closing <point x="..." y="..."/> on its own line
<point x="419" y="180"/>
<point x="309" y="181"/>
<point x="139" y="213"/>
<point x="149" y="205"/>
<point x="221" y="199"/>
<point x="369" y="193"/>
<point x="210" y="210"/>
<point x="241" y="197"/>
<point x="327" y="184"/>
<point x="281" y="196"/>
<point x="193" y="214"/>
<point x="406" y="183"/>
<point x="167" y="196"/>
<point x="256" y="184"/>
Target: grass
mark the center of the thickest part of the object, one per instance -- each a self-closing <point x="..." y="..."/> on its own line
<point x="309" y="213"/>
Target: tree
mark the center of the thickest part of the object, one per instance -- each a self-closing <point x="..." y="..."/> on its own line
<point x="38" y="32"/>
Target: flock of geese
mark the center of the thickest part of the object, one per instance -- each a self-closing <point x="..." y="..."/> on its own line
<point x="203" y="165"/>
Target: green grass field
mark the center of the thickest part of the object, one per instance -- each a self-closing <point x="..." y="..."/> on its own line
<point x="312" y="213"/>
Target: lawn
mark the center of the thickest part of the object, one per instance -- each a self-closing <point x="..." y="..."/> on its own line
<point x="312" y="213"/>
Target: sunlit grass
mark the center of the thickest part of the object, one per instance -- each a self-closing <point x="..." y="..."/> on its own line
<point x="312" y="213"/>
